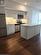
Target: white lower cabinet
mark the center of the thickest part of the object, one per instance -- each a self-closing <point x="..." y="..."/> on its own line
<point x="28" y="32"/>
<point x="10" y="29"/>
<point x="23" y="32"/>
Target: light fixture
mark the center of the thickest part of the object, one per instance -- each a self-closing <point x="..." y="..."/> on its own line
<point x="25" y="3"/>
<point x="2" y="1"/>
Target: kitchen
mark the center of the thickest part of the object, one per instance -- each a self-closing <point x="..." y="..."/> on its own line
<point x="19" y="17"/>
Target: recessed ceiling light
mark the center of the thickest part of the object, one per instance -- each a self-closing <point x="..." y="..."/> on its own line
<point x="2" y="1"/>
<point x="25" y="3"/>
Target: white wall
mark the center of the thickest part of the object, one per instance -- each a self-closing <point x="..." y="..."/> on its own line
<point x="29" y="14"/>
<point x="35" y="17"/>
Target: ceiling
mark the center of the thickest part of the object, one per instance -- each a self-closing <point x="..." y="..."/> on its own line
<point x="33" y="3"/>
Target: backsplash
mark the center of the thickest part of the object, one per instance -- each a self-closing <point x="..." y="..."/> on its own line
<point x="11" y="20"/>
<point x="24" y="21"/>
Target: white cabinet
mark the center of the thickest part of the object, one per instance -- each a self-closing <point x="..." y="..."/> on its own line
<point x="28" y="32"/>
<point x="10" y="29"/>
<point x="36" y="29"/>
<point x="23" y="32"/>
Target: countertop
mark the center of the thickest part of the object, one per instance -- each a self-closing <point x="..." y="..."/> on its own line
<point x="30" y="24"/>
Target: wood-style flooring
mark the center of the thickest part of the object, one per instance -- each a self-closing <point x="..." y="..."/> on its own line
<point x="15" y="45"/>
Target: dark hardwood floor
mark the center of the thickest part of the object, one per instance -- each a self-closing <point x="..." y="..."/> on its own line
<point x="15" y="45"/>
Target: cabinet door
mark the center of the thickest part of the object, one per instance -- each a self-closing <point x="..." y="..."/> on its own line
<point x="30" y="32"/>
<point x="23" y="32"/>
<point x="36" y="29"/>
